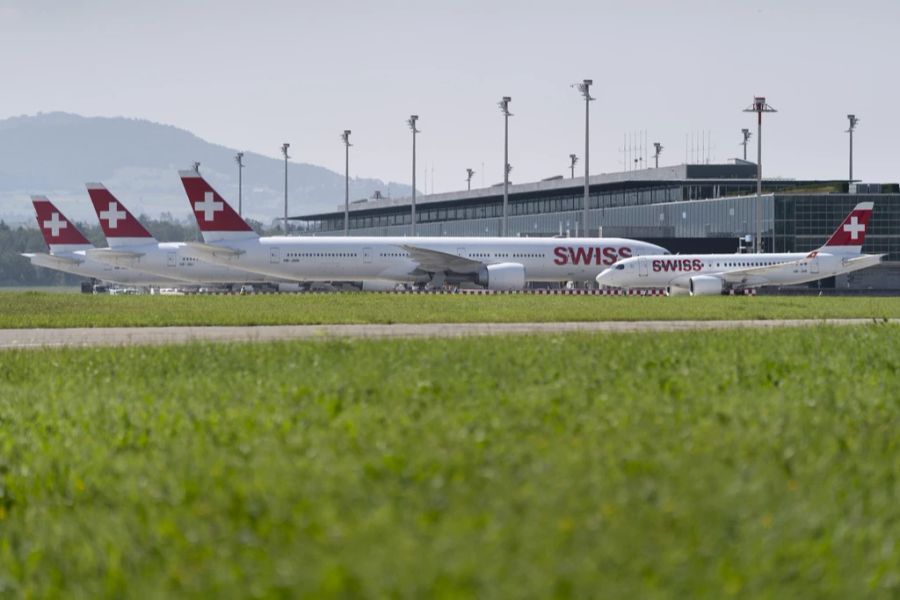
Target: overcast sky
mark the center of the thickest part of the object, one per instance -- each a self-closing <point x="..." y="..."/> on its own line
<point x="251" y="75"/>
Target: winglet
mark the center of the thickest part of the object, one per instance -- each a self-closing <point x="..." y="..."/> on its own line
<point x="59" y="233"/>
<point x="850" y="235"/>
<point x="119" y="226"/>
<point x="215" y="217"/>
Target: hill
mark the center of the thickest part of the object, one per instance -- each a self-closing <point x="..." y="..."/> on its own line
<point x="56" y="153"/>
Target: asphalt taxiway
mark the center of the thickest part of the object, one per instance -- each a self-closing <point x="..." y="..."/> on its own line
<point x="130" y="336"/>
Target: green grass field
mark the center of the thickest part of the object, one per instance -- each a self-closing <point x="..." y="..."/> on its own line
<point x="70" y="310"/>
<point x="739" y="463"/>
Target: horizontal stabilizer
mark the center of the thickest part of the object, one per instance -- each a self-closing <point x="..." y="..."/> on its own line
<point x="111" y="254"/>
<point x="51" y="261"/>
<point x="212" y="251"/>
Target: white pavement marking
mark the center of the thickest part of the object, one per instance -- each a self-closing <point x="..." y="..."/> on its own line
<point x="132" y="336"/>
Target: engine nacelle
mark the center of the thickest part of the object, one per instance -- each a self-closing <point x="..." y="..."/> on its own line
<point x="503" y="276"/>
<point x="378" y="285"/>
<point x="674" y="290"/>
<point x="706" y="285"/>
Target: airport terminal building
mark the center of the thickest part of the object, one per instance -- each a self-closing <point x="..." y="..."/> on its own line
<point x="685" y="208"/>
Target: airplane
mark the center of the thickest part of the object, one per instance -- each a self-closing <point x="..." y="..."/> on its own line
<point x="711" y="274"/>
<point x="132" y="246"/>
<point x="383" y="262"/>
<point x="69" y="248"/>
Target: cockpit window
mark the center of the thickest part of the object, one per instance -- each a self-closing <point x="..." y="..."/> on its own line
<point x="620" y="267"/>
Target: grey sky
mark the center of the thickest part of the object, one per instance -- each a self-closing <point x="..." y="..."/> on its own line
<point x="253" y="74"/>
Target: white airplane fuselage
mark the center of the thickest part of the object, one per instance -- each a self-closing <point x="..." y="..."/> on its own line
<point x="677" y="271"/>
<point x="78" y="263"/>
<point x="387" y="259"/>
<point x="169" y="259"/>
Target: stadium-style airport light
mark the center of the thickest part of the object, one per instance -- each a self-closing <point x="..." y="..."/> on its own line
<point x="573" y="158"/>
<point x="412" y="125"/>
<point x="239" y="158"/>
<point x="853" y="121"/>
<point x="759" y="107"/>
<point x="585" y="88"/>
<point x="196" y="167"/>
<point x="747" y="136"/>
<point x="284" y="151"/>
<point x="346" y="138"/>
<point x="469" y="173"/>
<point x="504" y="108"/>
<point x="658" y="148"/>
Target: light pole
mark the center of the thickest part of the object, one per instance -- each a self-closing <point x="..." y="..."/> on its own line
<point x="412" y="125"/>
<point x="346" y="138"/>
<point x="504" y="108"/>
<point x="196" y="167"/>
<point x="759" y="106"/>
<point x="284" y="150"/>
<point x="658" y="150"/>
<point x="747" y="136"/>
<point x="585" y="88"/>
<point x="853" y="121"/>
<point x="469" y="173"/>
<point x="573" y="158"/>
<point x="239" y="158"/>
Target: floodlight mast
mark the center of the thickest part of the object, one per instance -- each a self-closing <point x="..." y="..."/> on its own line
<point x="853" y="121"/>
<point x="585" y="88"/>
<point x="658" y="150"/>
<point x="196" y="167"/>
<point x="759" y="107"/>
<point x="284" y="151"/>
<point x="573" y="158"/>
<point x="239" y="158"/>
<point x="412" y="125"/>
<point x="346" y="138"/>
<point x="504" y="108"/>
<point x="747" y="135"/>
<point x="469" y="173"/>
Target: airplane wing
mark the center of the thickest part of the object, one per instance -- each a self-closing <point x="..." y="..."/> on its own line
<point x="434" y="261"/>
<point x="755" y="275"/>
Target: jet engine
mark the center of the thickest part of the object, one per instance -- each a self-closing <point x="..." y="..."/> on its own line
<point x="378" y="285"/>
<point x="674" y="290"/>
<point x="503" y="276"/>
<point x="706" y="285"/>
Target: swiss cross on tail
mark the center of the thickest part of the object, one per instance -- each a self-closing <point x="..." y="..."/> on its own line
<point x="851" y="234"/>
<point x="214" y="215"/>
<point x="55" y="227"/>
<point x="117" y="222"/>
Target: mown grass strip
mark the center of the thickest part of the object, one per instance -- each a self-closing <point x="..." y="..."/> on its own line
<point x="681" y="465"/>
<point x="35" y="309"/>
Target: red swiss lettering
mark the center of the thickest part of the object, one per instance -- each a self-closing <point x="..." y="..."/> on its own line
<point x="609" y="256"/>
<point x="581" y="256"/>
<point x="561" y="258"/>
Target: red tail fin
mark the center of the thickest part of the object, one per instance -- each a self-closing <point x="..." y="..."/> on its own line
<point x="119" y="225"/>
<point x="55" y="227"/>
<point x="214" y="215"/>
<point x="851" y="234"/>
